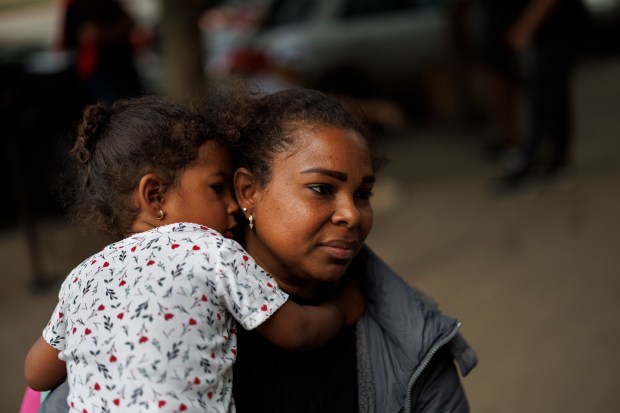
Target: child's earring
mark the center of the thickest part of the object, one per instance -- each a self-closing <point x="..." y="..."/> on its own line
<point x="159" y="198"/>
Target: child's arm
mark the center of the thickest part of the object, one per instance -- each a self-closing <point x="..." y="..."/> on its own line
<point x="298" y="328"/>
<point x="43" y="369"/>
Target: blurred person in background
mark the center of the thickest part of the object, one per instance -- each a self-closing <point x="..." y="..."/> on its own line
<point x="535" y="41"/>
<point x="99" y="32"/>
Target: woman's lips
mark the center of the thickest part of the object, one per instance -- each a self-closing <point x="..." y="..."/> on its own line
<point x="340" y="250"/>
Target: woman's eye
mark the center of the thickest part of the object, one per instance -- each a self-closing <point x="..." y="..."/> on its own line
<point x="365" y="194"/>
<point x="321" y="189"/>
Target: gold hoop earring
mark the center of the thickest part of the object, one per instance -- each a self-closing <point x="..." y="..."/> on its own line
<point x="160" y="215"/>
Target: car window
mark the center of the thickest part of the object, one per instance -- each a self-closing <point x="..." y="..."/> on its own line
<point x="287" y="11"/>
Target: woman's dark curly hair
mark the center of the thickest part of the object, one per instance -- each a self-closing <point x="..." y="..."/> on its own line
<point x="117" y="145"/>
<point x="274" y="120"/>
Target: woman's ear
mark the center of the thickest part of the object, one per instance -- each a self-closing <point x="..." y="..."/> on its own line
<point x="150" y="193"/>
<point x="245" y="188"/>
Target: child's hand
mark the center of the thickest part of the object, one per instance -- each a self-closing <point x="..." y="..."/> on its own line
<point x="299" y="328"/>
<point x="350" y="299"/>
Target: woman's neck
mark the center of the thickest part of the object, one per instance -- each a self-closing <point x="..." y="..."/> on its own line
<point x="287" y="281"/>
<point x="306" y="290"/>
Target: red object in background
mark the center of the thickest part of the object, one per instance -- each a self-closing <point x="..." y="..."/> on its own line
<point x="86" y="60"/>
<point x="86" y="56"/>
<point x="247" y="61"/>
<point x="141" y="39"/>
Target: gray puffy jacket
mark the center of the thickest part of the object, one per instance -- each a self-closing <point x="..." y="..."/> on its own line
<point x="406" y="347"/>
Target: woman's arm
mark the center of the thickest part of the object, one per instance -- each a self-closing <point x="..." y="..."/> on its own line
<point x="298" y="328"/>
<point x="43" y="369"/>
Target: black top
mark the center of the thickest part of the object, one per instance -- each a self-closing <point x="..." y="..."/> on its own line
<point x="269" y="379"/>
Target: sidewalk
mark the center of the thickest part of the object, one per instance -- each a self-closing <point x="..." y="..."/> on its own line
<point x="534" y="276"/>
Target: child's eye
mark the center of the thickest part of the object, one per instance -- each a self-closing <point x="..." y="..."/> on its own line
<point x="321" y="189"/>
<point x="218" y="188"/>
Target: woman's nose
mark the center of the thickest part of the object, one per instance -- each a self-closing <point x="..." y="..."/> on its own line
<point x="346" y="213"/>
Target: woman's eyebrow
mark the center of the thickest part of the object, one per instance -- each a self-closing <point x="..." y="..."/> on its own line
<point x="341" y="176"/>
<point x="370" y="179"/>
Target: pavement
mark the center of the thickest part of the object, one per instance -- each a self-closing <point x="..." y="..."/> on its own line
<point x="533" y="275"/>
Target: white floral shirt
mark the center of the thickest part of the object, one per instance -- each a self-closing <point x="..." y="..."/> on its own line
<point x="147" y="324"/>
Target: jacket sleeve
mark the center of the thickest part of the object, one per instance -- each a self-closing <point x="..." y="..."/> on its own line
<point x="439" y="387"/>
<point x="56" y="400"/>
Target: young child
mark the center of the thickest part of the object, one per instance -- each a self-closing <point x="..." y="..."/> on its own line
<point x="147" y="324"/>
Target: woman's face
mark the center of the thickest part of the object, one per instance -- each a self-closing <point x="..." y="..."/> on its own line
<point x="312" y="218"/>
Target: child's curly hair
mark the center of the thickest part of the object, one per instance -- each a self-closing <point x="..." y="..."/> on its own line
<point x="117" y="145"/>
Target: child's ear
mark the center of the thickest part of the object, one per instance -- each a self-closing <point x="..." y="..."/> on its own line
<point x="150" y="193"/>
<point x="245" y="188"/>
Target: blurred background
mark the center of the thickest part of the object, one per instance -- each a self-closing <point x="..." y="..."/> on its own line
<point x="498" y="204"/>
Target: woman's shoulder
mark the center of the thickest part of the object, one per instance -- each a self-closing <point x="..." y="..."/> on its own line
<point x="404" y="321"/>
<point x="405" y="312"/>
<point x="377" y="278"/>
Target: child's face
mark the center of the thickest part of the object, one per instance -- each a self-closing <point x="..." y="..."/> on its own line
<point x="203" y="193"/>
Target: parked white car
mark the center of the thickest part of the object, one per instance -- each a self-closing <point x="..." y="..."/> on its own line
<point x="380" y="47"/>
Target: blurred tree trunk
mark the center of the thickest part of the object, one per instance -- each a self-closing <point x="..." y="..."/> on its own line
<point x="182" y="49"/>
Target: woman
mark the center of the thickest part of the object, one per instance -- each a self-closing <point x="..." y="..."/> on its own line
<point x="304" y="180"/>
<point x="305" y="176"/>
